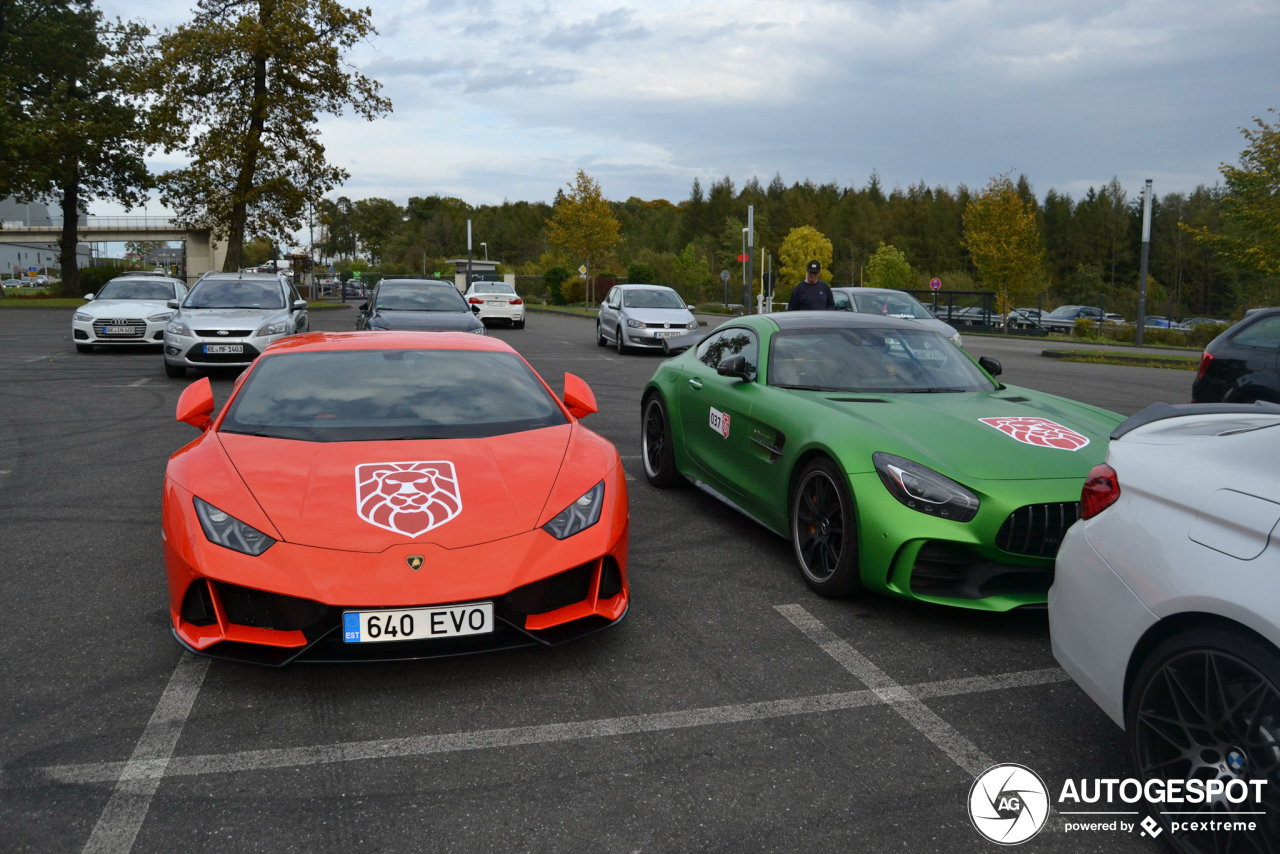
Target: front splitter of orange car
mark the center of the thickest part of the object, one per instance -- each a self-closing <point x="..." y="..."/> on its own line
<point x="287" y="604"/>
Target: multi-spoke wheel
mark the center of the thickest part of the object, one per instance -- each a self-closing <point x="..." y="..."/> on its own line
<point x="1206" y="705"/>
<point x="655" y="439"/>
<point x="824" y="530"/>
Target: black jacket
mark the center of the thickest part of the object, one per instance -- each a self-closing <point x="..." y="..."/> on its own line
<point x="815" y="297"/>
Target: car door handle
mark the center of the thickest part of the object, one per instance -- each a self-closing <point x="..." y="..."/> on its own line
<point x="695" y="384"/>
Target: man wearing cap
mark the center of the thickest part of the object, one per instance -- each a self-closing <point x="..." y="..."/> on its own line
<point x="812" y="294"/>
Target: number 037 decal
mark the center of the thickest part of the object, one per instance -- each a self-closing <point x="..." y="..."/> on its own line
<point x="720" y="422"/>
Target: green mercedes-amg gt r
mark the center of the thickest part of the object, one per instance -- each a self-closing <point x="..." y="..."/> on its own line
<point x="891" y="460"/>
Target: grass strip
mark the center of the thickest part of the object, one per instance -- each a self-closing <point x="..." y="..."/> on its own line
<point x="1153" y="360"/>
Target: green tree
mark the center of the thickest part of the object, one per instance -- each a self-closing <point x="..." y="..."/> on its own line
<point x="238" y="90"/>
<point x="72" y="130"/>
<point x="802" y="245"/>
<point x="1250" y="236"/>
<point x="583" y="225"/>
<point x="888" y="268"/>
<point x="641" y="274"/>
<point x="1003" y="239"/>
<point x="691" y="272"/>
<point x="374" y="222"/>
<point x="554" y="279"/>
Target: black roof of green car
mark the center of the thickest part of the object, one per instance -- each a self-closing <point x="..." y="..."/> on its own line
<point x="838" y="320"/>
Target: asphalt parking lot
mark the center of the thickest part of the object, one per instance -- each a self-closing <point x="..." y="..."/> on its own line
<point x="733" y="710"/>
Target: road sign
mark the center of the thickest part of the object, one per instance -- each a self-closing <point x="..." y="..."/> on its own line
<point x="356" y="274"/>
<point x="724" y="275"/>
<point x="935" y="283"/>
<point x="33" y="269"/>
<point x="742" y="259"/>
<point x="583" y="269"/>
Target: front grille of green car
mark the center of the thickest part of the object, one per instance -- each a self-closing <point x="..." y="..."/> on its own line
<point x="1037" y="529"/>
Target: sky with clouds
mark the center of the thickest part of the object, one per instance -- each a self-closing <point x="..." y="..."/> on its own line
<point x="504" y="99"/>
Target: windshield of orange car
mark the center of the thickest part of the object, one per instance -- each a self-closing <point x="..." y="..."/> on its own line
<point x="379" y="395"/>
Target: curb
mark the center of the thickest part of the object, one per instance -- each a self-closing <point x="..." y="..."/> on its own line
<point x="1103" y="357"/>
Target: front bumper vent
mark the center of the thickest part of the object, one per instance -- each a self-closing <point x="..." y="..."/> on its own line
<point x="1037" y="529"/>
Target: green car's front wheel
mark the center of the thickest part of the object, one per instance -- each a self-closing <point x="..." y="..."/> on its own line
<point x="655" y="439"/>
<point x="824" y="530"/>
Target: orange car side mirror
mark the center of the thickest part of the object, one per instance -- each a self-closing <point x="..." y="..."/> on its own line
<point x="578" y="396"/>
<point x="195" y="407"/>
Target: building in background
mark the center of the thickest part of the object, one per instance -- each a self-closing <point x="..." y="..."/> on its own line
<point x="18" y="258"/>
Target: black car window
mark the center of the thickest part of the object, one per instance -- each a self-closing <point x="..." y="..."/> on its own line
<point x="890" y="305"/>
<point x="236" y="293"/>
<point x="394" y="296"/>
<point x="1262" y="333"/>
<point x="648" y="298"/>
<point x="371" y="395"/>
<point x="493" y="288"/>
<point x="871" y="360"/>
<point x="729" y="342"/>
<point x="136" y="289"/>
<point x="842" y="301"/>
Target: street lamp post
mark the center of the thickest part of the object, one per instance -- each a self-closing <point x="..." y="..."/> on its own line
<point x="486" y="250"/>
<point x="744" y="264"/>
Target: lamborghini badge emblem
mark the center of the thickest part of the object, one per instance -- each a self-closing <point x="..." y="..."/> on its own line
<point x="415" y="562"/>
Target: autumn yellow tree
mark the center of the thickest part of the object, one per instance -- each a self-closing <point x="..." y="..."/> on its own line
<point x="1250" y="236"/>
<point x="583" y="225"/>
<point x="802" y="245"/>
<point x="1002" y="237"/>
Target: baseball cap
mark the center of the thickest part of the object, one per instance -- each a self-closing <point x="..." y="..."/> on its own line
<point x="815" y="267"/>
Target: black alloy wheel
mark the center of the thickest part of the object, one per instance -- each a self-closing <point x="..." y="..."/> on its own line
<point x="1206" y="705"/>
<point x="600" y="339"/>
<point x="622" y="346"/>
<point x="824" y="530"/>
<point x="655" y="438"/>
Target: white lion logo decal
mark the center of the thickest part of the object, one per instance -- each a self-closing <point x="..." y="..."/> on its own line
<point x="1039" y="431"/>
<point x="407" y="498"/>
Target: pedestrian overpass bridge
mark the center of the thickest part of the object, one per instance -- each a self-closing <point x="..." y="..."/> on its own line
<point x="203" y="253"/>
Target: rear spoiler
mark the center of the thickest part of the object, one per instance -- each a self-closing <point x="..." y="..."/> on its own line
<point x="1162" y="411"/>
<point x="683" y="341"/>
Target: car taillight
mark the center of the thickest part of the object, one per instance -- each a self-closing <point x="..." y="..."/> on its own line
<point x="516" y="301"/>
<point x="476" y="301"/>
<point x="1204" y="364"/>
<point x="1101" y="490"/>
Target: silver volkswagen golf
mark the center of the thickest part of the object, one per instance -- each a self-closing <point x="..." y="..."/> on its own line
<point x="228" y="319"/>
<point x="642" y="316"/>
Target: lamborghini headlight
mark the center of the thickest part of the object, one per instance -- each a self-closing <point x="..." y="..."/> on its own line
<point x="923" y="489"/>
<point x="579" y="515"/>
<point x="83" y="317"/>
<point x="226" y="530"/>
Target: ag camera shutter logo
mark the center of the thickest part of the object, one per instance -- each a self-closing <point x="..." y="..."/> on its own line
<point x="1008" y="804"/>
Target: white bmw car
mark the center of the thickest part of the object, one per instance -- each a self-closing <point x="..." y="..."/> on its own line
<point x="1165" y="608"/>
<point x="129" y="310"/>
<point x="496" y="301"/>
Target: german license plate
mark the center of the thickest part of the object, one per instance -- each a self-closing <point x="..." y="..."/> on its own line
<point x="417" y="623"/>
<point x="119" y="330"/>
<point x="496" y="302"/>
<point x="665" y="334"/>
<point x="224" y="348"/>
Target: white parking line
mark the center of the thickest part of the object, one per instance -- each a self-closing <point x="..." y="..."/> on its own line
<point x="961" y="750"/>
<point x="393" y="748"/>
<point x="123" y="815"/>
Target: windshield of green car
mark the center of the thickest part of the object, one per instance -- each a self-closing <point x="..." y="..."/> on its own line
<point x="651" y="299"/>
<point x="407" y="297"/>
<point x="890" y="305"/>
<point x="871" y="360"/>
<point x="380" y="395"/>
<point x="136" y="289"/>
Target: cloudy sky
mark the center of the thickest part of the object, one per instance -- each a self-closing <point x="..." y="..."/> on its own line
<point x="505" y="99"/>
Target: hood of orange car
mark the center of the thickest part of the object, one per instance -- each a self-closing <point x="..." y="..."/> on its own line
<point x="370" y="496"/>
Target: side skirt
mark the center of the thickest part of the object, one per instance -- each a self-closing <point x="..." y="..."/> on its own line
<point x="709" y="490"/>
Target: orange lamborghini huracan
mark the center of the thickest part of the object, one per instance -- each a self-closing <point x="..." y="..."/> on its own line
<point x="394" y="495"/>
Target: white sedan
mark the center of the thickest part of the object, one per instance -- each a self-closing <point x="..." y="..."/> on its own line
<point x="129" y="310"/>
<point x="1165" y="608"/>
<point x="496" y="301"/>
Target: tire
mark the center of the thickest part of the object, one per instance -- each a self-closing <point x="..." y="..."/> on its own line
<point x="84" y="348"/>
<point x="600" y="340"/>
<point x="622" y="348"/>
<point x="1235" y="717"/>
<point x="656" y="449"/>
<point x="176" y="372"/>
<point x="827" y="555"/>
<point x="517" y="324"/>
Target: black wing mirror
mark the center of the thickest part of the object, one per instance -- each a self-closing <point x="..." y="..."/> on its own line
<point x="990" y="365"/>
<point x="364" y="306"/>
<point x="475" y="309"/>
<point x="734" y="366"/>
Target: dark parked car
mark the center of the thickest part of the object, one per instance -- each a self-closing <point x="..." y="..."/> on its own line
<point x="427" y="305"/>
<point x="1063" y="319"/>
<point x="1242" y="365"/>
